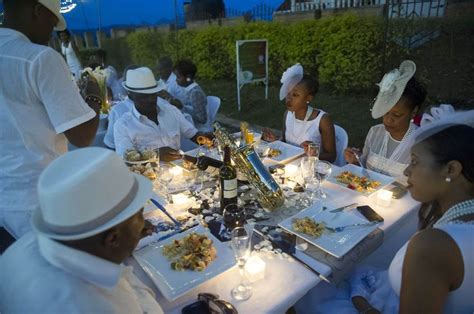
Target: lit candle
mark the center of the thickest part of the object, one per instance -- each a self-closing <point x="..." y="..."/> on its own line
<point x="177" y="171"/>
<point x="291" y="170"/>
<point x="255" y="268"/>
<point x="384" y="198"/>
<point x="180" y="199"/>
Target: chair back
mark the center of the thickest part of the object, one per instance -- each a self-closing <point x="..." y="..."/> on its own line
<point x="213" y="104"/>
<point x="342" y="140"/>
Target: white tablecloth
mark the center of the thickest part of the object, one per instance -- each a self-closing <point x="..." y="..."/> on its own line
<point x="287" y="281"/>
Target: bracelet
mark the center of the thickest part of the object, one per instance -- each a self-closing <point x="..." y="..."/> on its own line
<point x="94" y="98"/>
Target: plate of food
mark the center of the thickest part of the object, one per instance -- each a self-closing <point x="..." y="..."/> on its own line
<point x="280" y="151"/>
<point x="353" y="178"/>
<point x="140" y="157"/>
<point x="184" y="261"/>
<point x="310" y="225"/>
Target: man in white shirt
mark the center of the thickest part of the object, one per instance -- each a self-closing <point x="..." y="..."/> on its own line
<point x="40" y="107"/>
<point x="90" y="220"/>
<point x="150" y="124"/>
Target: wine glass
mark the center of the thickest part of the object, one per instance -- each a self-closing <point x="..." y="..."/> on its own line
<point x="323" y="171"/>
<point x="165" y="176"/>
<point x="241" y="247"/>
<point x="233" y="216"/>
<point x="308" y="174"/>
<point x="312" y="150"/>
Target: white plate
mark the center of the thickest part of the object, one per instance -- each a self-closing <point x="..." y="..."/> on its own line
<point x="288" y="152"/>
<point x="173" y="284"/>
<point x="335" y="243"/>
<point x="383" y="179"/>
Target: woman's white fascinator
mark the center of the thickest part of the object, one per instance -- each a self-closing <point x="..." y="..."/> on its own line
<point x="290" y="78"/>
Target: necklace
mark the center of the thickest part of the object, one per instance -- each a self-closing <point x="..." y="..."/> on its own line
<point x="382" y="162"/>
<point x="456" y="211"/>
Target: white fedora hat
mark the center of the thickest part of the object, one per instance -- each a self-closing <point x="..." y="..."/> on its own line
<point x="141" y="81"/>
<point x="55" y="7"/>
<point x="85" y="192"/>
<point x="391" y="87"/>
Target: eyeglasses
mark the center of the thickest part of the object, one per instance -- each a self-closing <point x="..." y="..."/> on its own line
<point x="209" y="303"/>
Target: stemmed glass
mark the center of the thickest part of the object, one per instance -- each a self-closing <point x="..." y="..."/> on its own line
<point x="241" y="247"/>
<point x="165" y="176"/>
<point x="308" y="173"/>
<point x="233" y="216"/>
<point x="323" y="171"/>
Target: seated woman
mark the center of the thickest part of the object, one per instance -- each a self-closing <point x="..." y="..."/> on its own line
<point x="195" y="100"/>
<point x="399" y="98"/>
<point x="304" y="124"/>
<point x="434" y="271"/>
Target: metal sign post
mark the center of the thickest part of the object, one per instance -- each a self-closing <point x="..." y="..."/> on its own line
<point x="252" y="64"/>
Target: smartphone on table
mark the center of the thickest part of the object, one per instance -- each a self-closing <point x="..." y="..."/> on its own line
<point x="369" y="213"/>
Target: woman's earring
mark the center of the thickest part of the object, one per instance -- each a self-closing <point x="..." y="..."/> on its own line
<point x="448" y="179"/>
<point x="307" y="102"/>
<point x="188" y="79"/>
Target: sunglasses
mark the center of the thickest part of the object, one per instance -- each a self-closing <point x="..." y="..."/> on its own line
<point x="209" y="303"/>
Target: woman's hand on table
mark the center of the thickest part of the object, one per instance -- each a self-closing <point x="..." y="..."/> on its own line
<point x="268" y="135"/>
<point x="148" y="229"/>
<point x="350" y="155"/>
<point x="169" y="154"/>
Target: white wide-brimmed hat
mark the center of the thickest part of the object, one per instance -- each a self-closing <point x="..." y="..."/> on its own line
<point x="290" y="78"/>
<point x="55" y="7"/>
<point x="391" y="87"/>
<point x="141" y="81"/>
<point x="85" y="192"/>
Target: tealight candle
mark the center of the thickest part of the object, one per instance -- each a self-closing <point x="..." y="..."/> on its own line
<point x="177" y="171"/>
<point x="291" y="170"/>
<point x="255" y="268"/>
<point x="384" y="198"/>
<point x="180" y="199"/>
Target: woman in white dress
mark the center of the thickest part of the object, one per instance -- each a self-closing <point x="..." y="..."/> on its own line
<point x="304" y="124"/>
<point x="398" y="100"/>
<point x="434" y="271"/>
<point x="71" y="53"/>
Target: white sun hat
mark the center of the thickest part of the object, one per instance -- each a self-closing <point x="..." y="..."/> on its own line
<point x="290" y="78"/>
<point x="85" y="192"/>
<point x="55" y="7"/>
<point x="391" y="87"/>
<point x="141" y="81"/>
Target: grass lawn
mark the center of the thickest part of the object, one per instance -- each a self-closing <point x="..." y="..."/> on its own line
<point x="350" y="112"/>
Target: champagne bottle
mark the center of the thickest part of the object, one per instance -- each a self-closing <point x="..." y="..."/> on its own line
<point x="228" y="181"/>
<point x="203" y="162"/>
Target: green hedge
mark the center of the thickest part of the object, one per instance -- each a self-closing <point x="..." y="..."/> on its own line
<point x="345" y="52"/>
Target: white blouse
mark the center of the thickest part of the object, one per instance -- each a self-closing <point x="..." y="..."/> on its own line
<point x="381" y="152"/>
<point x="459" y="300"/>
<point x="298" y="131"/>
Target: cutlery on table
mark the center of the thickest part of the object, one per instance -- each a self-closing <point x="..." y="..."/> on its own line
<point x="364" y="170"/>
<point x="342" y="228"/>
<point x="163" y="209"/>
<point x="346" y="208"/>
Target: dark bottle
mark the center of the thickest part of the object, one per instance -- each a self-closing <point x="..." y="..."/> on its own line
<point x="228" y="181"/>
<point x="203" y="162"/>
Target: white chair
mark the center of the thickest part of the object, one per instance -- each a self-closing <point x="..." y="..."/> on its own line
<point x="213" y="104"/>
<point x="342" y="141"/>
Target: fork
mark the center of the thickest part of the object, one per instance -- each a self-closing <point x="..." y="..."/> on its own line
<point x="341" y="228"/>
<point x="364" y="170"/>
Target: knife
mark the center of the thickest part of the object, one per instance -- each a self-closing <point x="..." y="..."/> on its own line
<point x="340" y="209"/>
<point x="162" y="208"/>
<point x="287" y="251"/>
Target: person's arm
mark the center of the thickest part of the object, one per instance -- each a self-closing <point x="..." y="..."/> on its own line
<point x="433" y="266"/>
<point x="75" y="49"/>
<point x="328" y="139"/>
<point x="122" y="139"/>
<point x="283" y="135"/>
<point x="169" y="98"/>
<point x="67" y="111"/>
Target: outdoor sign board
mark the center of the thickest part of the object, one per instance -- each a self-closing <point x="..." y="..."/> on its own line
<point x="252" y="64"/>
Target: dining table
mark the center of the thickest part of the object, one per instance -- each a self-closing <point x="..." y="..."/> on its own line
<point x="287" y="282"/>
